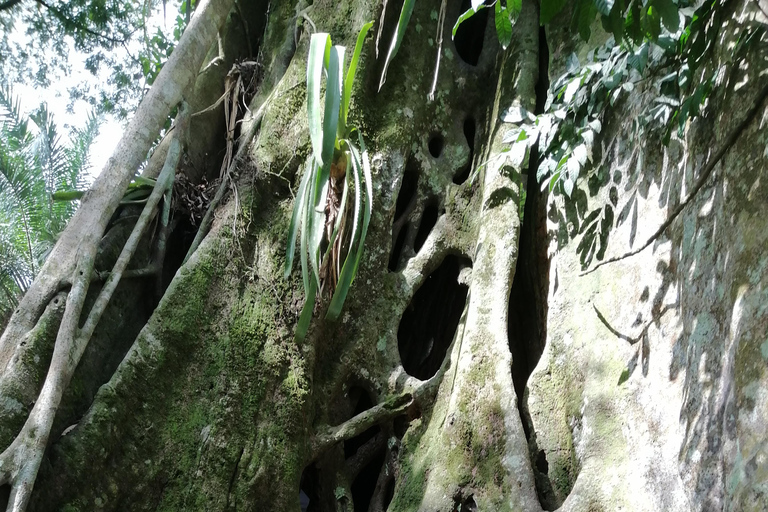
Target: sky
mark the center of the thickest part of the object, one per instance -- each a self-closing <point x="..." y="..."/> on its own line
<point x="57" y="97"/>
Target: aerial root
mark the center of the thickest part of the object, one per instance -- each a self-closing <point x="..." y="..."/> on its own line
<point x="20" y="462"/>
<point x="420" y="394"/>
<point x="362" y="422"/>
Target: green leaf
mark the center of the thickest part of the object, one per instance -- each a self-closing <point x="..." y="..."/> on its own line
<point x="583" y="16"/>
<point x="68" y="195"/>
<point x="639" y="59"/>
<point x="568" y="186"/>
<point x="668" y="12"/>
<point x="397" y="38"/>
<point x="548" y="9"/>
<point x="316" y="227"/>
<point x="330" y="125"/>
<point x="624" y="377"/>
<point x="306" y="313"/>
<point x="350" y="78"/>
<point x="319" y="46"/>
<point x="503" y="25"/>
<point x="553" y="181"/>
<point x="296" y="217"/>
<point x="633" y="27"/>
<point x="306" y="225"/>
<point x="464" y="17"/>
<point x="514" y="7"/>
<point x="652" y="23"/>
<point x="333" y="89"/>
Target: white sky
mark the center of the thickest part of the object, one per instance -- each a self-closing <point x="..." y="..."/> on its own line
<point x="57" y="95"/>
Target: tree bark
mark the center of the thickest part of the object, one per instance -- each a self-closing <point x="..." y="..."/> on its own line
<point x="441" y="387"/>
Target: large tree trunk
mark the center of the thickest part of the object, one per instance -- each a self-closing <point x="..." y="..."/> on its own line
<point x="473" y="367"/>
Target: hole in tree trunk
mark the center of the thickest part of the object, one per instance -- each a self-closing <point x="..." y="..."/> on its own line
<point x="309" y="495"/>
<point x="435" y="145"/>
<point x="470" y="35"/>
<point x="406" y="201"/>
<point x="389" y="493"/>
<point x="470" y="130"/>
<point x="5" y="496"/>
<point x="397" y="250"/>
<point x="428" y="221"/>
<point x="429" y="322"/>
<point x="179" y="241"/>
<point x="364" y="484"/>
<point x="541" y="462"/>
<point x="400" y="424"/>
<point x="464" y="505"/>
<point x="528" y="303"/>
<point x="407" y="194"/>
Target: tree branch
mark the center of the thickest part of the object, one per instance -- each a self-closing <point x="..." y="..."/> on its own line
<point x="729" y="141"/>
<point x="362" y="422"/>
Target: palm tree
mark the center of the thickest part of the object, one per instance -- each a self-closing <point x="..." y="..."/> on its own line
<point x="33" y="165"/>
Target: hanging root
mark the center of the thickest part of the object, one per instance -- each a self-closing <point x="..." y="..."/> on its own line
<point x="20" y="462"/>
<point x="729" y="141"/>
<point x="226" y="170"/>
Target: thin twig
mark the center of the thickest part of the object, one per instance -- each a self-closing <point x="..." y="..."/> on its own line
<point x="381" y="26"/>
<point x="439" y="37"/>
<point x="708" y="168"/>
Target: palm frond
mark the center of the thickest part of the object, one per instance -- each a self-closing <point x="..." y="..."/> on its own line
<point x="33" y="165"/>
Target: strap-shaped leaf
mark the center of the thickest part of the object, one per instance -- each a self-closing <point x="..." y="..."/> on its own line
<point x="316" y="231"/>
<point x="397" y="38"/>
<point x="350" y="78"/>
<point x="296" y="218"/>
<point x="306" y="313"/>
<point x="319" y="46"/>
<point x="306" y="225"/>
<point x="333" y="91"/>
<point x="362" y="175"/>
<point x="330" y="122"/>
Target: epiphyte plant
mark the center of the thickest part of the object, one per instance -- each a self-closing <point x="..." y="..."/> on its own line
<point x="330" y="246"/>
